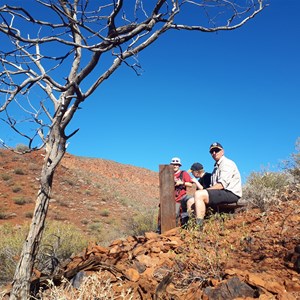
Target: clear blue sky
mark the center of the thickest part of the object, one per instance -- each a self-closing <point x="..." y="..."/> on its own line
<point x="240" y="88"/>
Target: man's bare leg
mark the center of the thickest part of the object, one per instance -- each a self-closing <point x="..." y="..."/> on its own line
<point x="201" y="199"/>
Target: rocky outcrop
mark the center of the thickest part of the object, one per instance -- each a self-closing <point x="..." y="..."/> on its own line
<point x="249" y="256"/>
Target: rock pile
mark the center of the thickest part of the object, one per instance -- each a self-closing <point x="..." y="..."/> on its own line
<point x="252" y="255"/>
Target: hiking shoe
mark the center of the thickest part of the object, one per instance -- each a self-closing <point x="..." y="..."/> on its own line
<point x="184" y="222"/>
<point x="158" y="230"/>
<point x="199" y="223"/>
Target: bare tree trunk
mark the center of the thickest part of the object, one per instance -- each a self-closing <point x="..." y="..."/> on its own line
<point x="55" y="151"/>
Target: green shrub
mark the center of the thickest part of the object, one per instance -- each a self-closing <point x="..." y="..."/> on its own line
<point x="59" y="242"/>
<point x="84" y="221"/>
<point x="5" y="177"/>
<point x="263" y="189"/>
<point x="95" y="228"/>
<point x="10" y="248"/>
<point x="3" y="215"/>
<point x="142" y="222"/>
<point x="105" y="213"/>
<point x="292" y="166"/>
<point x="19" y="171"/>
<point x="20" y="201"/>
<point x="22" y="148"/>
<point x="70" y="182"/>
<point x="16" y="189"/>
<point x="29" y="215"/>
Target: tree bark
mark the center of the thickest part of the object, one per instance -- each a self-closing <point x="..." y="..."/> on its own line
<point x="22" y="277"/>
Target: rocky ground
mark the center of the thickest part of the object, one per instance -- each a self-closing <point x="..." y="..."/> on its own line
<point x="249" y="255"/>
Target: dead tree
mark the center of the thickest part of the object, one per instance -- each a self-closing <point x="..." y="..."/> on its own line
<point x="50" y="54"/>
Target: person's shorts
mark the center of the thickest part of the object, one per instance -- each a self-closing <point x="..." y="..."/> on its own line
<point x="181" y="206"/>
<point x="184" y="201"/>
<point x="221" y="196"/>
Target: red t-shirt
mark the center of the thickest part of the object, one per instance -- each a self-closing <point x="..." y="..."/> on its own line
<point x="180" y="190"/>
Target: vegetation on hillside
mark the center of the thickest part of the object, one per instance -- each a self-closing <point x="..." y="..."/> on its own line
<point x="262" y="190"/>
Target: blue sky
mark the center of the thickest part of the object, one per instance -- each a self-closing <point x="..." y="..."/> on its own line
<point x="240" y="88"/>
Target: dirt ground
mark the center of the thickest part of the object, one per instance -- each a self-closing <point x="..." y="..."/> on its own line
<point x="248" y="255"/>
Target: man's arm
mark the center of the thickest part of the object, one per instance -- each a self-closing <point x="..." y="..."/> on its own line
<point x="217" y="186"/>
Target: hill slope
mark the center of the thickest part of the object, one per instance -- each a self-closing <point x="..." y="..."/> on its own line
<point x="250" y="255"/>
<point x="86" y="191"/>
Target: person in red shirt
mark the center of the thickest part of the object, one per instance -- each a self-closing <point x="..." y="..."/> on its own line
<point x="182" y="180"/>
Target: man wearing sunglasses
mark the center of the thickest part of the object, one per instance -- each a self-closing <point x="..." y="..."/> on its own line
<point x="226" y="184"/>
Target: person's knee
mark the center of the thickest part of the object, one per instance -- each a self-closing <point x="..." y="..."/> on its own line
<point x="197" y="194"/>
<point x="201" y="195"/>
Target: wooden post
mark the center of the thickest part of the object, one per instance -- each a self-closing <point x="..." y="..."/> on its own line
<point x="167" y="198"/>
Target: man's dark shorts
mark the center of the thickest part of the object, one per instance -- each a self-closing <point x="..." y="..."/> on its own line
<point x="221" y="196"/>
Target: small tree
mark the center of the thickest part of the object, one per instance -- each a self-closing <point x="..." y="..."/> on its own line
<point x="51" y="53"/>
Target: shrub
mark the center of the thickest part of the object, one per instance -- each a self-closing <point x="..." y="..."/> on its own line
<point x="19" y="171"/>
<point x="10" y="248"/>
<point x="84" y="221"/>
<point x="22" y="148"/>
<point x="59" y="242"/>
<point x="16" y="189"/>
<point x="143" y="222"/>
<point x="29" y="214"/>
<point x="95" y="228"/>
<point x="292" y="166"/>
<point x="104" y="212"/>
<point x="3" y="215"/>
<point x="95" y="286"/>
<point x="263" y="189"/>
<point x="5" y="177"/>
<point x="20" y="201"/>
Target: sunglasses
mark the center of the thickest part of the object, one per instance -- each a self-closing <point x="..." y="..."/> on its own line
<point x="216" y="150"/>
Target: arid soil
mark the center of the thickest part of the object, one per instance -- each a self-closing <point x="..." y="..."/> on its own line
<point x="248" y="255"/>
<point x="85" y="191"/>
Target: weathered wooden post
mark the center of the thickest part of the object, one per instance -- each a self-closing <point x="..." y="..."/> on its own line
<point x="167" y="198"/>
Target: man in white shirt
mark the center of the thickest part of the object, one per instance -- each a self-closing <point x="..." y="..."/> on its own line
<point x="226" y="184"/>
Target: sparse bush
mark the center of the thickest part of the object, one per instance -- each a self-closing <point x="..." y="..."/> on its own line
<point x="16" y="189"/>
<point x="10" y="248"/>
<point x="3" y="215"/>
<point x="5" y="177"/>
<point x="104" y="212"/>
<point x="59" y="217"/>
<point x="95" y="286"/>
<point x="69" y="182"/>
<point x="143" y="222"/>
<point x="84" y="221"/>
<point x="59" y="242"/>
<point x="263" y="189"/>
<point x="29" y="214"/>
<point x="87" y="192"/>
<point x="20" y="201"/>
<point x="19" y="171"/>
<point x="62" y="203"/>
<point x="95" y="228"/>
<point x="292" y="166"/>
<point x="22" y="148"/>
